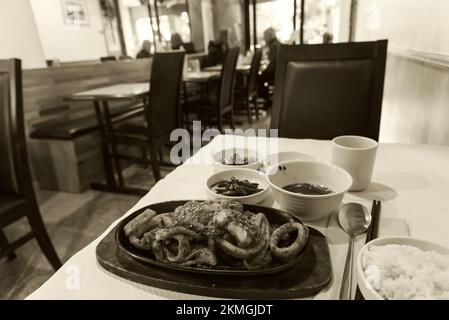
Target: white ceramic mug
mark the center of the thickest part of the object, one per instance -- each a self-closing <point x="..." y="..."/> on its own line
<point x="357" y="156"/>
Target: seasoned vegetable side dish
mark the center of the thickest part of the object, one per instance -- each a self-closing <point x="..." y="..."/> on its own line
<point x="236" y="188"/>
<point x="216" y="234"/>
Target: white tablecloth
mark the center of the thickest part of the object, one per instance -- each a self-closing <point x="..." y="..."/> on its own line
<point x="411" y="180"/>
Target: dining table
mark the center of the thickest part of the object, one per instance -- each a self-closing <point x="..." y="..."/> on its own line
<point x="204" y="79"/>
<point x="133" y="93"/>
<point x="100" y="99"/>
<point x="201" y="76"/>
<point x="411" y="181"/>
<point x="240" y="68"/>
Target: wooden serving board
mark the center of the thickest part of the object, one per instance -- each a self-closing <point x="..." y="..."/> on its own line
<point x="312" y="274"/>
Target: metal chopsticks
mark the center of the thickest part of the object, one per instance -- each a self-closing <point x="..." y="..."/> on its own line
<point x="371" y="234"/>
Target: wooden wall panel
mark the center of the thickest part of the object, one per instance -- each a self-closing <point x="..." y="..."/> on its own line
<point x="416" y="98"/>
<point x="45" y="89"/>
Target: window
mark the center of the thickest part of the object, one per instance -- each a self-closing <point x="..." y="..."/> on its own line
<point x="324" y="20"/>
<point x="174" y="19"/>
<point x="157" y="21"/>
<point x="144" y="31"/>
<point x="277" y="14"/>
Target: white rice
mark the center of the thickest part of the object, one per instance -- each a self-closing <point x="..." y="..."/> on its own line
<point x="400" y="272"/>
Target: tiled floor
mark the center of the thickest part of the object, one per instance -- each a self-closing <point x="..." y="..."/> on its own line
<point x="73" y="221"/>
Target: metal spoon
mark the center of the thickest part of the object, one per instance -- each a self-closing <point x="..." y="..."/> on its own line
<point x="355" y="220"/>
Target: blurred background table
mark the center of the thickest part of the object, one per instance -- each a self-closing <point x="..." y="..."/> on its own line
<point x="100" y="98"/>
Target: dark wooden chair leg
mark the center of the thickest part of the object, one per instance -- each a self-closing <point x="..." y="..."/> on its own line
<point x="154" y="161"/>
<point x="185" y="119"/>
<point x="40" y="232"/>
<point x="256" y="108"/>
<point x="231" y="119"/>
<point x="248" y="108"/>
<point x="144" y="152"/>
<point x="118" y="168"/>
<point x="161" y="154"/>
<point x="107" y="163"/>
<point x="112" y="144"/>
<point x="220" y="122"/>
<point x="4" y="243"/>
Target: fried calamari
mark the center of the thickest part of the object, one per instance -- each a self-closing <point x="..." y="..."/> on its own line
<point x="216" y="233"/>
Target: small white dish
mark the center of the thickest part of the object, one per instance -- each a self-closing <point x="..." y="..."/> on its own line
<point x="367" y="290"/>
<point x="308" y="207"/>
<point x="222" y="160"/>
<point x="241" y="174"/>
<point x="279" y="157"/>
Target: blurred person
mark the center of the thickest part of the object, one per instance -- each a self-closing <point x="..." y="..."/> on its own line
<point x="176" y="41"/>
<point x="266" y="79"/>
<point x="145" y="51"/>
<point x="222" y="38"/>
<point x="328" y="37"/>
<point x="216" y="50"/>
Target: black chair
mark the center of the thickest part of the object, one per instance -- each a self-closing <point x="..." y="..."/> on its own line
<point x="215" y="108"/>
<point x="246" y="96"/>
<point x="189" y="47"/>
<point x="328" y="90"/>
<point x="162" y="114"/>
<point x="17" y="198"/>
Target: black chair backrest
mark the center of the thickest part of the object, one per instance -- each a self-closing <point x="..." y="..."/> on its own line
<point x="226" y="96"/>
<point x="189" y="47"/>
<point x="327" y="90"/>
<point x="162" y="113"/>
<point x="15" y="176"/>
<point x="254" y="71"/>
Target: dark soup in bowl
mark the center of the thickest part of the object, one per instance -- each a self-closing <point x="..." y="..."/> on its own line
<point x="308" y="189"/>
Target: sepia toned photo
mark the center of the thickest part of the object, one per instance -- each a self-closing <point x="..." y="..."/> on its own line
<point x="214" y="157"/>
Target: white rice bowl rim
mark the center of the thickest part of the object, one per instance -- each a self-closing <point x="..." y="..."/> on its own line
<point x="398" y="240"/>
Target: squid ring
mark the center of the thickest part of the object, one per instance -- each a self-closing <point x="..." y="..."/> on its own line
<point x="183" y="249"/>
<point x="247" y="253"/>
<point x="164" y="234"/>
<point x="290" y="252"/>
<point x="237" y="252"/>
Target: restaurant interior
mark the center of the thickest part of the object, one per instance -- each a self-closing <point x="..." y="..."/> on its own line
<point x="243" y="149"/>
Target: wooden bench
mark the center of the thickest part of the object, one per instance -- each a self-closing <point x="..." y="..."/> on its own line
<point x="66" y="159"/>
<point x="70" y="152"/>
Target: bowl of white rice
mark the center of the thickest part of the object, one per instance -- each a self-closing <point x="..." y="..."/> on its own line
<point x="403" y="268"/>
